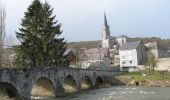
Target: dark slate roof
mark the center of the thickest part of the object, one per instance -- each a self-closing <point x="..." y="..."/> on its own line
<point x="105" y="20"/>
<point x="162" y="47"/>
<point x="130" y="45"/>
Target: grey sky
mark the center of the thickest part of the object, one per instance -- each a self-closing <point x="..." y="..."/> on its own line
<point x="83" y="19"/>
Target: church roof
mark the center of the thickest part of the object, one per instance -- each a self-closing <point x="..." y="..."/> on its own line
<point x="105" y="20"/>
<point x="130" y="45"/>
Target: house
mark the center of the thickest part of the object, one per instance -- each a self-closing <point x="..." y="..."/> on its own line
<point x="161" y="53"/>
<point x="158" y="50"/>
<point x="122" y="39"/>
<point x="131" y="56"/>
<point x="104" y="64"/>
<point x="152" y="47"/>
<point x="94" y="55"/>
<point x="8" y="59"/>
<point x="70" y="58"/>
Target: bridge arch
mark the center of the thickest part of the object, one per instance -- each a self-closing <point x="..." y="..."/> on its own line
<point x="85" y="83"/>
<point x="43" y="87"/>
<point x="69" y="84"/>
<point x="98" y="81"/>
<point x="8" y="91"/>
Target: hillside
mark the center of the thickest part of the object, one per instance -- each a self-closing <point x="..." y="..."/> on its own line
<point x="83" y="44"/>
<point x="161" y="42"/>
<point x="94" y="44"/>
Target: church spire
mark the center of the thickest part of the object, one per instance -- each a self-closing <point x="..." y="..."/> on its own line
<point x="105" y="20"/>
<point x="105" y="34"/>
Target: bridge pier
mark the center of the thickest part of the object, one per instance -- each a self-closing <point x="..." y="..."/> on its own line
<point x="59" y="90"/>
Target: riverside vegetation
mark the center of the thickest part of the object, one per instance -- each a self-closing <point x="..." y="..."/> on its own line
<point x="158" y="79"/>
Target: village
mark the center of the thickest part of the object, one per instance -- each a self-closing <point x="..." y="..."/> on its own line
<point x="84" y="50"/>
<point x="117" y="53"/>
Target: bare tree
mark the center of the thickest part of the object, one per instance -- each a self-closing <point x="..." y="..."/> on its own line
<point x="150" y="61"/>
<point x="80" y="57"/>
<point x="9" y="52"/>
<point x="2" y="30"/>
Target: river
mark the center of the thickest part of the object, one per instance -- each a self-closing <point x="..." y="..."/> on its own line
<point x="121" y="93"/>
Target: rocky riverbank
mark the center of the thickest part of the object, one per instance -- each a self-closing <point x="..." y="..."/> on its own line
<point x="129" y="81"/>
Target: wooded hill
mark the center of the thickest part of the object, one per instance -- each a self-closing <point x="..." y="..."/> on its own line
<point x="94" y="44"/>
<point x="84" y="44"/>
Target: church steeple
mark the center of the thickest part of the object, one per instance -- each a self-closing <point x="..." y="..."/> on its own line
<point x="105" y="34"/>
<point x="105" y="20"/>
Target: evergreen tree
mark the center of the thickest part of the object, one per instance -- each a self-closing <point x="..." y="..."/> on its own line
<point x="39" y="37"/>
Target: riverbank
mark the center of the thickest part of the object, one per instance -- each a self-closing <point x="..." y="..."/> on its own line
<point x="136" y="79"/>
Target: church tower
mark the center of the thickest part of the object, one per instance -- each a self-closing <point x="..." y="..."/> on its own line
<point x="105" y="34"/>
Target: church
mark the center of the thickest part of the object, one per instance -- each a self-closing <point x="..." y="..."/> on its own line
<point x="109" y="41"/>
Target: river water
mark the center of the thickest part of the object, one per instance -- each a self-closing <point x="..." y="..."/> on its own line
<point x="121" y="93"/>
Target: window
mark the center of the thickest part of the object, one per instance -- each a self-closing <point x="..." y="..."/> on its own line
<point x="123" y="62"/>
<point x="130" y="62"/>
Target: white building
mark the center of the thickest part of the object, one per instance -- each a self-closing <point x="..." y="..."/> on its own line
<point x="131" y="56"/>
<point x="122" y="39"/>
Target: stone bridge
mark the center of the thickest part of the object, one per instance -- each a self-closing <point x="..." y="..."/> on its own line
<point x="26" y="83"/>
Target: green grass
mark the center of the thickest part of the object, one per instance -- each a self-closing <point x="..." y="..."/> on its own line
<point x="155" y="76"/>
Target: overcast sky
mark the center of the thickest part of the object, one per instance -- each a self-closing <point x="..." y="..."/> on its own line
<point x="83" y="19"/>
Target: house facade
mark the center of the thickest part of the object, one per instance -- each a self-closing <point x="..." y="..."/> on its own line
<point x="70" y="58"/>
<point x="158" y="50"/>
<point x="93" y="55"/>
<point x="131" y="56"/>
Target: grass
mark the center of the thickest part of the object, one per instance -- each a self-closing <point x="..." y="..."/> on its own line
<point x="155" y="76"/>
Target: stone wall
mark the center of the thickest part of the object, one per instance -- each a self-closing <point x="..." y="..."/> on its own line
<point x="163" y="64"/>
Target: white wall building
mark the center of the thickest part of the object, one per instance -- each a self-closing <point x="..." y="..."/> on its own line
<point x="122" y="39"/>
<point x="131" y="56"/>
